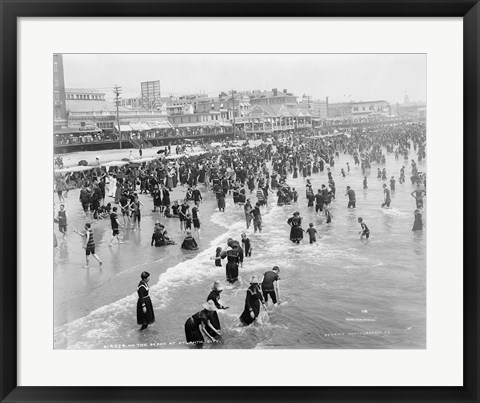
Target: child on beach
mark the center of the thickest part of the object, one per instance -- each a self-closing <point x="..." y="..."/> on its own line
<point x="312" y="232"/>
<point x="392" y="183"/>
<point x="328" y="214"/>
<point x="189" y="242"/>
<point x="218" y="259"/>
<point x="196" y="221"/>
<point x="387" y="200"/>
<point x="167" y="213"/>
<point x="136" y="208"/>
<point x="108" y="209"/>
<point x="188" y="222"/>
<point x="115" y="226"/>
<point x="295" y="195"/>
<point x="175" y="209"/>
<point x="365" y="232"/>
<point x="182" y="215"/>
<point x="247" y="247"/>
<point x="62" y="220"/>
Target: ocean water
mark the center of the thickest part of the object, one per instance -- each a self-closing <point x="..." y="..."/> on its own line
<point x="340" y="293"/>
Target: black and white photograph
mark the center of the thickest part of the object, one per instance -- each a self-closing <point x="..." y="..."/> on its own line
<point x="239" y="201"/>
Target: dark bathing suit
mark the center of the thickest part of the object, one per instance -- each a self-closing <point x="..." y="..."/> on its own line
<point x="267" y="285"/>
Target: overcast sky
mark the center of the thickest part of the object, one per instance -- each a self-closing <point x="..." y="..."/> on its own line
<point x="341" y="77"/>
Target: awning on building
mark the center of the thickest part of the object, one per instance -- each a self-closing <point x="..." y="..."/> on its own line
<point x="77" y="130"/>
<point x="146" y="126"/>
<point x="209" y="123"/>
<point x="164" y="124"/>
<point x="123" y="128"/>
<point x="153" y="125"/>
<point x="196" y="124"/>
<point x="160" y="124"/>
<point x="137" y="127"/>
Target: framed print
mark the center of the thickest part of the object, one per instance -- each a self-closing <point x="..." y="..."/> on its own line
<point x="240" y="203"/>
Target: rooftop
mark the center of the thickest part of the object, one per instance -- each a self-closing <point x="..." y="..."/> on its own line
<point x="279" y="110"/>
<point x="87" y="105"/>
<point x="367" y="102"/>
<point x="271" y="94"/>
<point x="411" y="104"/>
<point x="198" y="113"/>
<point x="83" y="91"/>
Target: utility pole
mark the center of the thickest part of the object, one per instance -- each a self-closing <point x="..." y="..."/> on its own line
<point x="117" y="91"/>
<point x="233" y="100"/>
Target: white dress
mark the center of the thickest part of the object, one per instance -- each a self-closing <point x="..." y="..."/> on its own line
<point x="112" y="186"/>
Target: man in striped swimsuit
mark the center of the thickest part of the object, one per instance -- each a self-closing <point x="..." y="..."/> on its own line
<point x="261" y="196"/>
<point x="89" y="245"/>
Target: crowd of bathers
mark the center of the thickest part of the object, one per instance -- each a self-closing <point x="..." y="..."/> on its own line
<point x="243" y="173"/>
<point x="256" y="170"/>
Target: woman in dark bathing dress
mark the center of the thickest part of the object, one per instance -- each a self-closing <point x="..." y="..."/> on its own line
<point x="252" y="302"/>
<point x="165" y="197"/>
<point x="296" y="231"/>
<point x="196" y="325"/>
<point x="145" y="314"/>
<point x="214" y="296"/>
<point x="220" y="199"/>
<point x="418" y="223"/>
<point x="233" y="259"/>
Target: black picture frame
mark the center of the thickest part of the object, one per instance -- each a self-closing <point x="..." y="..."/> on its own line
<point x="11" y="10"/>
